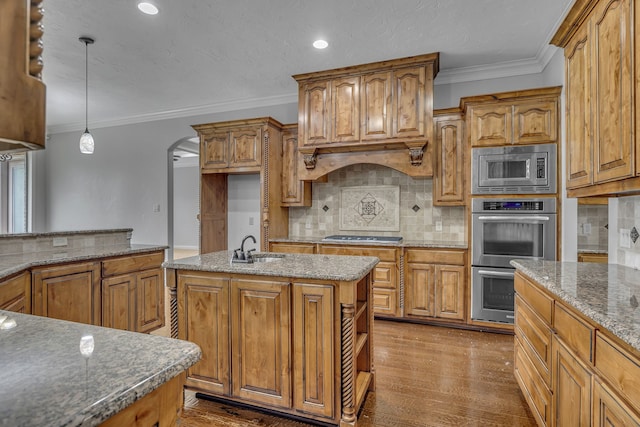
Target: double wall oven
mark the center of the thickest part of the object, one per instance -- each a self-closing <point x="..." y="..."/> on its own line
<point x="511" y="226"/>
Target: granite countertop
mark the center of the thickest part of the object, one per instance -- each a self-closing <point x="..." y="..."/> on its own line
<point x="65" y="233"/>
<point x="301" y="266"/>
<point x="10" y="264"/>
<point x="46" y="381"/>
<point x="592" y="249"/>
<point x="606" y="293"/>
<point x="402" y="244"/>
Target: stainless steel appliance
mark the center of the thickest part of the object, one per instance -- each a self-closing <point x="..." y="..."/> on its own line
<point x="352" y="238"/>
<point x="519" y="169"/>
<point x="502" y="230"/>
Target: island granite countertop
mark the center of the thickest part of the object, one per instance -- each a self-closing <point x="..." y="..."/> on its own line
<point x="605" y="293"/>
<point x="11" y="264"/>
<point x="46" y="381"/>
<point x="302" y="266"/>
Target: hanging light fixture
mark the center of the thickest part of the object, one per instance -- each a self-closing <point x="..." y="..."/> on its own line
<point x="86" y="140"/>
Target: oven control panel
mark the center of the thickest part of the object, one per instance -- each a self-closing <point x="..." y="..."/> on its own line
<point x="542" y="205"/>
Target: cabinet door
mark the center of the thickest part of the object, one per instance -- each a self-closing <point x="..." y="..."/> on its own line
<point x="612" y="90"/>
<point x="313" y="351"/>
<point x="119" y="302"/>
<point x="69" y="292"/>
<point x="345" y="109"/>
<point x="448" y="181"/>
<point x="490" y="125"/>
<point x="150" y="300"/>
<point x="245" y="146"/>
<point x="261" y="363"/>
<point x="215" y="150"/>
<point x="449" y="292"/>
<point x="203" y="307"/>
<point x="610" y="410"/>
<point x="15" y="294"/>
<point x="578" y="110"/>
<point x="314" y="121"/>
<point x="294" y="191"/>
<point x="420" y="289"/>
<point x="571" y="388"/>
<point x="535" y="121"/>
<point x="409" y="103"/>
<point x="376" y="106"/>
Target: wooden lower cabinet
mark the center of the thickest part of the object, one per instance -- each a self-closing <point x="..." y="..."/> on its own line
<point x="570" y="370"/>
<point x="571" y="387"/>
<point x="313" y="349"/>
<point x="68" y="292"/>
<point x="611" y="411"/>
<point x="433" y="289"/>
<point x="292" y="248"/>
<point x="590" y="257"/>
<point x="15" y="293"/>
<point x="260" y="345"/>
<point x="386" y="280"/>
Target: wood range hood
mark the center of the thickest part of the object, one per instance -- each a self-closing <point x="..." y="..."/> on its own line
<point x="378" y="113"/>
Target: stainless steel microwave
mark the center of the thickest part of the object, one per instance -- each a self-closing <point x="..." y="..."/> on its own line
<point x="519" y="169"/>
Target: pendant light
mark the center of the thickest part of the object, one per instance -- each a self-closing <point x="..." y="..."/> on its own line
<point x="86" y="140"/>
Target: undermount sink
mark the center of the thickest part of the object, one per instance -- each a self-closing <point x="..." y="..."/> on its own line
<point x="267" y="258"/>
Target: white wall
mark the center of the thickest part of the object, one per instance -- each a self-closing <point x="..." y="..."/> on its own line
<point x="119" y="184"/>
<point x="186" y="186"/>
<point x="243" y="210"/>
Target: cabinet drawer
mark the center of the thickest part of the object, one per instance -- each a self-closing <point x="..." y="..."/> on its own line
<point x="384" y="275"/>
<point x="131" y="264"/>
<point x="541" y="304"/>
<point x="532" y="385"/>
<point x="575" y="332"/>
<point x="293" y="248"/>
<point x="436" y="256"/>
<point x="535" y="338"/>
<point x="385" y="302"/>
<point x="385" y="254"/>
<point x="619" y="367"/>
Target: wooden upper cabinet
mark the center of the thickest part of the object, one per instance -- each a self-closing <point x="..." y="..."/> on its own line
<point x="314" y="119"/>
<point x="598" y="37"/>
<point x="612" y="81"/>
<point x="449" y="168"/>
<point x="490" y="125"/>
<point x="376" y="106"/>
<point x="245" y="147"/>
<point x="294" y="191"/>
<point x="579" y="140"/>
<point x="524" y="117"/>
<point x="409" y="103"/>
<point x="22" y="92"/>
<point x="345" y="109"/>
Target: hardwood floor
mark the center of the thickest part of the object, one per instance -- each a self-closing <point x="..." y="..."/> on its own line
<point x="425" y="376"/>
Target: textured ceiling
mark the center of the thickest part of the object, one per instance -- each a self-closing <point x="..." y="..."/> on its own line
<point x="205" y="55"/>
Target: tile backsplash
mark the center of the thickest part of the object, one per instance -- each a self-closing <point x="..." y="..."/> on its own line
<point x="419" y="219"/>
<point x="628" y="219"/>
<point x="593" y="233"/>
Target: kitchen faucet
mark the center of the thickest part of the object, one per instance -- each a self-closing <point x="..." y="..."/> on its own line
<point x="239" y="255"/>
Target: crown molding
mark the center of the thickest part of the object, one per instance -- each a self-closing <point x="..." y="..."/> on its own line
<point x="220" y="107"/>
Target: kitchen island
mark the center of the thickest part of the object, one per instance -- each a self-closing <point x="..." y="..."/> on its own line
<point x="577" y="342"/>
<point x="60" y="373"/>
<point x="289" y="333"/>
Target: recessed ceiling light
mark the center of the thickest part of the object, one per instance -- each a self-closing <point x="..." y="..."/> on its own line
<point x="147" y="8"/>
<point x="320" y="44"/>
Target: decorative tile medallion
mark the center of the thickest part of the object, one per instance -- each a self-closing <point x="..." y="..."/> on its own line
<point x="634" y="234"/>
<point x="415" y="208"/>
<point x="370" y="208"/>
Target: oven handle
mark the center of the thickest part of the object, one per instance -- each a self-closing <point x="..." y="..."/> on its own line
<point x="495" y="273"/>
<point x="529" y="218"/>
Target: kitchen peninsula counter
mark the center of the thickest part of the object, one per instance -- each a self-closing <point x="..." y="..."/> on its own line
<point x="291" y="335"/>
<point x="607" y="294"/>
<point x="46" y="381"/>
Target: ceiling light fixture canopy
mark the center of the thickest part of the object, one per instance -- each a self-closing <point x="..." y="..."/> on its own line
<point x="148" y="8"/>
<point x="86" y="140"/>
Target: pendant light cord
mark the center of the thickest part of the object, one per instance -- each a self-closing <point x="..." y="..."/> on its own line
<point x="86" y="86"/>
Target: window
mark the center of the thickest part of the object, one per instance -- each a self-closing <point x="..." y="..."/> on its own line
<point x="13" y="194"/>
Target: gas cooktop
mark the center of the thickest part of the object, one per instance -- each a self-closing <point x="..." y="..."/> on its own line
<point x="348" y="238"/>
